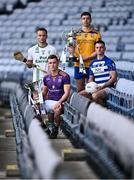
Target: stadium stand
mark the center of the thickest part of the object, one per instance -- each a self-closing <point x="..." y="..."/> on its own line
<point x="115" y="20"/>
<point x="94" y="127"/>
<point x="121" y="99"/>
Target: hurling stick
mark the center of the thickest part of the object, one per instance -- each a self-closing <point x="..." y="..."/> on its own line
<point x="20" y="57"/>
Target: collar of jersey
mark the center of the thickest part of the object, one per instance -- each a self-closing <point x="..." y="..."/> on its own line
<point x="43" y="46"/>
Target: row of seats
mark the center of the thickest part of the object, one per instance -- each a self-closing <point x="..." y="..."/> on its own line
<point x="8" y="6"/>
<point x="24" y="21"/>
<point x="32" y="144"/>
<point x="94" y="127"/>
<point x="121" y="99"/>
<point x="20" y="26"/>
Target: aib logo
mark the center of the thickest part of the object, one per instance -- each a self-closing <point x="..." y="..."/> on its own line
<point x="97" y="69"/>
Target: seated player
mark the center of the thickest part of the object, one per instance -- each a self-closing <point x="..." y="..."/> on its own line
<point x="102" y="70"/>
<point x="56" y="90"/>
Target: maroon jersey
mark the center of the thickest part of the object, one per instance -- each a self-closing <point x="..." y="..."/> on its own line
<point x="56" y="84"/>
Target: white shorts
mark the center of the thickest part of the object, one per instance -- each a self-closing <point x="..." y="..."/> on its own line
<point x="49" y="104"/>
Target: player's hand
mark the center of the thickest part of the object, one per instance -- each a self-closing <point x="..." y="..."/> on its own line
<point x="35" y="95"/>
<point x="57" y="107"/>
<point x="85" y="59"/>
<point x="98" y="88"/>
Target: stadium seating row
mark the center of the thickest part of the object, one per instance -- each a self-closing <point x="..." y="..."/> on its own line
<point x="22" y="23"/>
<point x="97" y="129"/>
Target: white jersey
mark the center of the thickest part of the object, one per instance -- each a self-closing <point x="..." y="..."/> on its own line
<point x="39" y="56"/>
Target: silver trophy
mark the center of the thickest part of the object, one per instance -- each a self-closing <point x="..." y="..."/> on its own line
<point x="70" y="39"/>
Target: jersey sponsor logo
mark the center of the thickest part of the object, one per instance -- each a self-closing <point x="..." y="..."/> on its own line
<point x="54" y="90"/>
<point x="42" y="59"/>
<point x="98" y="69"/>
<point x="85" y="41"/>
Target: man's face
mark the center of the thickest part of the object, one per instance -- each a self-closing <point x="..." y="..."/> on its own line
<point x="41" y="36"/>
<point x="85" y="20"/>
<point x="53" y="64"/>
<point x="100" y="49"/>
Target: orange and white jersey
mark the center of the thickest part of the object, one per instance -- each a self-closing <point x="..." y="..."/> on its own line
<point x="39" y="57"/>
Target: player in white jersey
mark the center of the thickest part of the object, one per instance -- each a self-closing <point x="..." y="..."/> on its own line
<point x="39" y="53"/>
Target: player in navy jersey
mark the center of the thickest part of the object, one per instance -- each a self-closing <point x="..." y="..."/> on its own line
<point x="56" y="90"/>
<point x="102" y="70"/>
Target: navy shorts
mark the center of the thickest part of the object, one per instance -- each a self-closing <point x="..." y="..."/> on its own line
<point x="79" y="75"/>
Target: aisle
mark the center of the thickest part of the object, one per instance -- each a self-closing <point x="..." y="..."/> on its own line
<point x="8" y="158"/>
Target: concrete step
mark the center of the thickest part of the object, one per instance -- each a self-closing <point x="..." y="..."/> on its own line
<point x="5" y="124"/>
<point x="8" y="157"/>
<point x="7" y="144"/>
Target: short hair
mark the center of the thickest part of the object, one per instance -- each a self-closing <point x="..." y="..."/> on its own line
<point x="53" y="56"/>
<point x="41" y="29"/>
<point x="100" y="42"/>
<point x="86" y="14"/>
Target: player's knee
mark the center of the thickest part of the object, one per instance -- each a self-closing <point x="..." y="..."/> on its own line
<point x="82" y="93"/>
<point x="95" y="97"/>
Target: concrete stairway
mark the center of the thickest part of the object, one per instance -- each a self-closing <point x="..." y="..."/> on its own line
<point x="8" y="158"/>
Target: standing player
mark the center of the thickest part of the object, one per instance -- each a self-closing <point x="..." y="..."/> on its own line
<point x="39" y="53"/>
<point x="102" y="70"/>
<point x="85" y="40"/>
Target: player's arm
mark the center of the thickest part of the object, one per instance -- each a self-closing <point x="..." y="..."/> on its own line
<point x="91" y="78"/>
<point x="29" y="61"/>
<point x="112" y="80"/>
<point x="91" y="74"/>
<point x="44" y="91"/>
<point x="66" y="94"/>
<point x="113" y="75"/>
<point x="91" y="57"/>
<point x="66" y="87"/>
